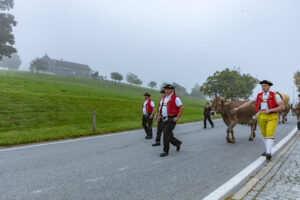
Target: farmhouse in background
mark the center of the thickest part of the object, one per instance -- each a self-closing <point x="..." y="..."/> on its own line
<point x="64" y="68"/>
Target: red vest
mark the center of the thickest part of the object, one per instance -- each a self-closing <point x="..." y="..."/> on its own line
<point x="171" y="106"/>
<point x="271" y="101"/>
<point x="149" y="108"/>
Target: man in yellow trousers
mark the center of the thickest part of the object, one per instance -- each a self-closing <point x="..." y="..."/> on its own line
<point x="268" y="104"/>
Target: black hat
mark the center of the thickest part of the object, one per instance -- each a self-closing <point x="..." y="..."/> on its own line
<point x="266" y="82"/>
<point x="147" y="94"/>
<point x="163" y="91"/>
<point x="169" y="86"/>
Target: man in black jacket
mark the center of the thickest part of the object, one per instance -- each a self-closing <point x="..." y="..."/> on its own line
<point x="207" y="115"/>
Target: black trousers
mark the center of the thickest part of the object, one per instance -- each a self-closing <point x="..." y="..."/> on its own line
<point x="159" y="130"/>
<point x="207" y="117"/>
<point x="147" y="124"/>
<point x="168" y="127"/>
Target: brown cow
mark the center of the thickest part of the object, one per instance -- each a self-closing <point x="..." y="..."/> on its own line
<point x="244" y="116"/>
<point x="283" y="114"/>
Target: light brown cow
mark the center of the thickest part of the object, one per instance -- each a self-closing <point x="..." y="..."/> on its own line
<point x="283" y="114"/>
<point x="244" y="116"/>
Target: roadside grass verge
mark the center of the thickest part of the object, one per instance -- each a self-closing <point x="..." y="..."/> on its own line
<point x="36" y="108"/>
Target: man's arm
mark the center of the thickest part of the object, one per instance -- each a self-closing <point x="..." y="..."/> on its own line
<point x="179" y="113"/>
<point x="279" y="108"/>
<point x="248" y="103"/>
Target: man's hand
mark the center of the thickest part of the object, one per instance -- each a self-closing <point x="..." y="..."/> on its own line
<point x="151" y="116"/>
<point x="267" y="111"/>
<point x="158" y="118"/>
<point x="234" y="110"/>
<point x="175" y="119"/>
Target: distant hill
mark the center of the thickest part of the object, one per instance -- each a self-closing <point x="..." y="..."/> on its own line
<point x="43" y="107"/>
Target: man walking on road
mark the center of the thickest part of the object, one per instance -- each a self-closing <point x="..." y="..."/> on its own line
<point x="148" y="111"/>
<point x="171" y="111"/>
<point x="268" y="104"/>
<point x="160" y="121"/>
<point x="207" y="115"/>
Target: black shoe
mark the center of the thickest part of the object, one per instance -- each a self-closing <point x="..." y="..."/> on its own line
<point x="148" y="137"/>
<point x="268" y="156"/>
<point x="212" y="125"/>
<point x="156" y="144"/>
<point x="264" y="154"/>
<point x="164" y="154"/>
<point x="204" y="127"/>
<point x="178" y="146"/>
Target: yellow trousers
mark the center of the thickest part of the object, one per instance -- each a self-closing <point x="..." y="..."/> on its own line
<point x="267" y="124"/>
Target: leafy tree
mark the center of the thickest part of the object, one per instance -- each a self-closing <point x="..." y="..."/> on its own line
<point x="95" y="75"/>
<point x="7" y="21"/>
<point x="230" y="84"/>
<point x="152" y="84"/>
<point x="297" y="80"/>
<point x="196" y="92"/>
<point x="38" y="65"/>
<point x="133" y="79"/>
<point x="12" y="63"/>
<point x="116" y="76"/>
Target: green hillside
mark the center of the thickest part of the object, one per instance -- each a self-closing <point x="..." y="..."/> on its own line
<point x="36" y="108"/>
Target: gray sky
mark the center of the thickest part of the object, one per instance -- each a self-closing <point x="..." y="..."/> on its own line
<point x="181" y="41"/>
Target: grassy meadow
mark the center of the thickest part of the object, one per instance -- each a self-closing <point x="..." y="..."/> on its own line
<point x="35" y="108"/>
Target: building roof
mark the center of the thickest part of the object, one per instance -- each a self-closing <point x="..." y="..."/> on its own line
<point x="66" y="64"/>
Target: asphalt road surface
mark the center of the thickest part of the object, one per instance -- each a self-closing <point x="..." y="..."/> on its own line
<point x="126" y="166"/>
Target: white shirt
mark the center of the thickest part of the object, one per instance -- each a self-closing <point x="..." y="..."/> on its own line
<point x="144" y="107"/>
<point x="164" y="111"/>
<point x="264" y="104"/>
<point x="160" y="103"/>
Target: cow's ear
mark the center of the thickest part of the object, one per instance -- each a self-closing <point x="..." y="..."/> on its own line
<point x="227" y="101"/>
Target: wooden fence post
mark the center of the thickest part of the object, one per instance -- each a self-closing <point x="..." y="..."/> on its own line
<point x="94" y="120"/>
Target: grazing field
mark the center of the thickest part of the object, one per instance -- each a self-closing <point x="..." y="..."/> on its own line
<point x="35" y="108"/>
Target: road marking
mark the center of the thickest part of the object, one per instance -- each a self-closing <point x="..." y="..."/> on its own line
<point x="224" y="189"/>
<point x="82" y="139"/>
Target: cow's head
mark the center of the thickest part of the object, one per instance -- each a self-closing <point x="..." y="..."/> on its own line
<point x="218" y="104"/>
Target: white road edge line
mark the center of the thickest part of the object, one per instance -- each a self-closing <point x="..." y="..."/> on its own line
<point x="226" y="188"/>
<point x="85" y="138"/>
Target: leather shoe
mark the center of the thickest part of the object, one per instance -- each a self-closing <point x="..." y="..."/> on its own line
<point x="148" y="137"/>
<point x="268" y="156"/>
<point x="178" y="146"/>
<point x="164" y="154"/>
<point x="264" y="154"/>
<point x="156" y="144"/>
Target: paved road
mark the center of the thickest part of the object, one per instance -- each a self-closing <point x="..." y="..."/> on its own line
<point x="126" y="166"/>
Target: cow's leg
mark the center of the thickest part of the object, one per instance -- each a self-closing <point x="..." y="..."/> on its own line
<point x="228" y="138"/>
<point x="232" y="125"/>
<point x="252" y="126"/>
<point x="232" y="135"/>
<point x="279" y="119"/>
<point x="283" y="118"/>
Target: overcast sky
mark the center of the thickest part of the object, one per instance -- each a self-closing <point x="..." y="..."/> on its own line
<point x="181" y="41"/>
